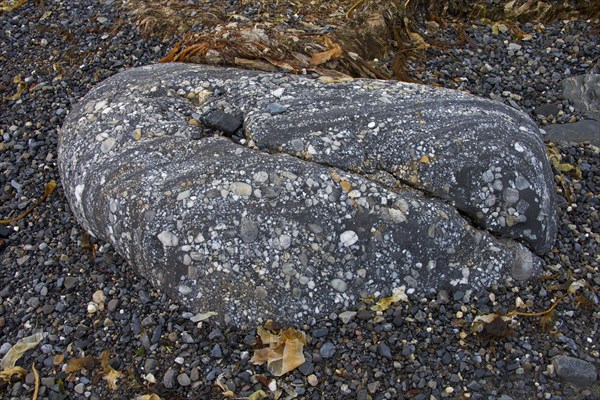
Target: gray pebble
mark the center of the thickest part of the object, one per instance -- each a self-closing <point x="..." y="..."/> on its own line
<point x="327" y="350"/>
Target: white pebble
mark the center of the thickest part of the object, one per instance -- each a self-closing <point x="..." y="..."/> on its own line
<point x="348" y="238"/>
<point x="168" y="239"/>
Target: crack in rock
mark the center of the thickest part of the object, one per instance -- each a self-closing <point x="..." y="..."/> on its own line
<point x="337" y="191"/>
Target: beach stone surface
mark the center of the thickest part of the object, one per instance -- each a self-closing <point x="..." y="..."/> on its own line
<point x="584" y="93"/>
<point x="324" y="194"/>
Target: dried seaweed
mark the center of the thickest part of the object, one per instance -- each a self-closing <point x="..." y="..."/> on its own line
<point x="49" y="188"/>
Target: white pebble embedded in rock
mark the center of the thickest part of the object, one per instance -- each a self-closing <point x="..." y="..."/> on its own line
<point x="348" y="238"/>
<point x="168" y="239"/>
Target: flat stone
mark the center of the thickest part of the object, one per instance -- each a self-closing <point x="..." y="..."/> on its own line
<point x="577" y="132"/>
<point x="584" y="93"/>
<point x="575" y="371"/>
<point x="299" y="220"/>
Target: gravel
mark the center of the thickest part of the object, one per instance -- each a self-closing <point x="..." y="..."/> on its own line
<point x="50" y="277"/>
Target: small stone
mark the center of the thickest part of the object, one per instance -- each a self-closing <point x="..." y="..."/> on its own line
<point x="241" y="188"/>
<point x="79" y="388"/>
<point x="216" y="351"/>
<point x="92" y="308"/>
<point x="312" y="380"/>
<point x="168" y="239"/>
<point x="169" y="378"/>
<point x="320" y="332"/>
<point x="348" y="238"/>
<point x="384" y="350"/>
<point x="187" y="338"/>
<point x="4" y="231"/>
<point x="510" y="195"/>
<point x="99" y="298"/>
<point x="5" y="348"/>
<point x="339" y="285"/>
<point x="184" y="379"/>
<point x="327" y="350"/>
<point x="112" y="305"/>
<point x="70" y="281"/>
<point x="276" y="108"/>
<point x="514" y="47"/>
<point x="248" y="230"/>
<point x="573" y="370"/>
<point x="347" y="316"/>
<point x="107" y="145"/>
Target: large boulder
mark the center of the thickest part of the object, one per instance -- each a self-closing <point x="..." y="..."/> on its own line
<point x="262" y="196"/>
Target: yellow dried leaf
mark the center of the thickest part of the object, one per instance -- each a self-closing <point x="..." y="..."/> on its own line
<point x="79" y="363"/>
<point x="266" y="336"/>
<point x="7" y="374"/>
<point x="368" y="300"/>
<point x="575" y="286"/>
<point x="425" y="160"/>
<point x="386" y="302"/>
<point x="288" y="355"/>
<point x="36" y="379"/>
<point x="109" y="374"/>
<point x="20" y="89"/>
<point x="415" y="37"/>
<point x="323" y="57"/>
<point x="284" y="353"/>
<point x="17" y="351"/>
<point x="229" y="394"/>
<point x="258" y="395"/>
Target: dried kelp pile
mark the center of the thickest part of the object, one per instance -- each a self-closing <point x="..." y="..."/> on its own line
<point x="336" y="40"/>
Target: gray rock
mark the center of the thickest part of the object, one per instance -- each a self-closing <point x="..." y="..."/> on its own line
<point x="384" y="350"/>
<point x="584" y="93"/>
<point x="386" y="171"/>
<point x="276" y="108"/>
<point x="79" y="388"/>
<point x="573" y="370"/>
<point x="582" y="131"/>
<point x="169" y="378"/>
<point x="216" y="351"/>
<point x="327" y="350"/>
<point x="347" y="316"/>
<point x="184" y="379"/>
<point x="222" y="121"/>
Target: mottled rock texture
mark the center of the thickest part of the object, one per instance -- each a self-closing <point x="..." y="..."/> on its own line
<point x="325" y="194"/>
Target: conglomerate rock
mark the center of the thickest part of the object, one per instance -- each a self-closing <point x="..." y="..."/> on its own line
<point x="324" y="193"/>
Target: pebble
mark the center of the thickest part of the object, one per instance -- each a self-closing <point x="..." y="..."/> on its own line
<point x="327" y="350"/>
<point x="347" y="316"/>
<point x="216" y="351"/>
<point x="184" y="379"/>
<point x="169" y="378"/>
<point x="276" y="108"/>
